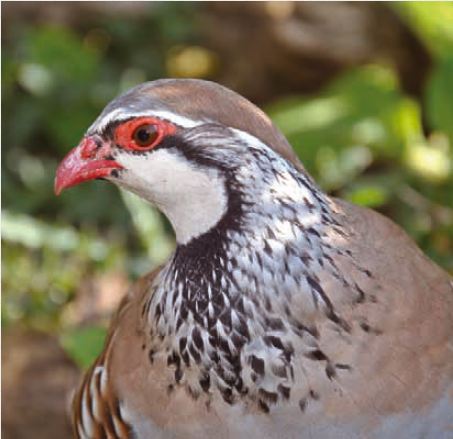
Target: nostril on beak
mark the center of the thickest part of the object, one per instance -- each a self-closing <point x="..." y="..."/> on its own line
<point x="88" y="148"/>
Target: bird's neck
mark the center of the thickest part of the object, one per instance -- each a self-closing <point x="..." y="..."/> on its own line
<point x="270" y="247"/>
<point x="235" y="307"/>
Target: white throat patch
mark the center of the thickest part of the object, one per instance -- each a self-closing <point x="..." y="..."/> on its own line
<point x="193" y="198"/>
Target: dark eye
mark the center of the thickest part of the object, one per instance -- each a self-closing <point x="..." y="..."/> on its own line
<point x="145" y="135"/>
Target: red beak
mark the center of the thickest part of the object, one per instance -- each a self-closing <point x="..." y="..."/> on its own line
<point x="85" y="162"/>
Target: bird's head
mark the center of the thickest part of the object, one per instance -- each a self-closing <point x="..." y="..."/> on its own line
<point x="177" y="144"/>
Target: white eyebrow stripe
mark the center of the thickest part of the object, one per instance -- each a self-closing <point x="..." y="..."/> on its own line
<point x="122" y="114"/>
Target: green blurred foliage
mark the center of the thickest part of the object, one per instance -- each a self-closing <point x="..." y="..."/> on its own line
<point x="362" y="139"/>
<point x="55" y="81"/>
<point x="82" y="344"/>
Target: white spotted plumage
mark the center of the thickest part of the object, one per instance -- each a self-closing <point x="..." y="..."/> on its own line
<point x="269" y="257"/>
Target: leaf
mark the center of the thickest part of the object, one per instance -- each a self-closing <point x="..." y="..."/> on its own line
<point x="439" y="96"/>
<point x="60" y="51"/>
<point x="338" y="134"/>
<point x="367" y="195"/>
<point x="432" y="21"/>
<point x="83" y="345"/>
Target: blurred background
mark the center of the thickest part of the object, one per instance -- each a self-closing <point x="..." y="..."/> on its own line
<point x="363" y="91"/>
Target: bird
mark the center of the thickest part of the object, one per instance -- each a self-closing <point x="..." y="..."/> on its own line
<point x="283" y="312"/>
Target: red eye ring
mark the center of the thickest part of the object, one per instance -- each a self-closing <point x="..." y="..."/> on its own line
<point x="126" y="134"/>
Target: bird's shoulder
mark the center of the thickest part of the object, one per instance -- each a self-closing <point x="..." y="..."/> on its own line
<point x="392" y="256"/>
<point x="402" y="330"/>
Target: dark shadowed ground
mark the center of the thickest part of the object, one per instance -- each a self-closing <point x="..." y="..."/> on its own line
<point x="37" y="378"/>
